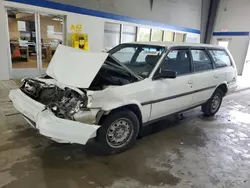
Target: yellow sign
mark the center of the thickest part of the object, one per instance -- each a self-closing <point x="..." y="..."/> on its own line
<point x="73" y="28"/>
<point x="79" y="39"/>
<point x="76" y="44"/>
<point x="79" y="28"/>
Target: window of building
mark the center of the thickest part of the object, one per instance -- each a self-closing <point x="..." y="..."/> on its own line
<point x="168" y="36"/>
<point x="156" y="35"/>
<point x="179" y="37"/>
<point x="112" y="33"/>
<point x="128" y="33"/>
<point x="220" y="58"/>
<point x="178" y="61"/>
<point x="201" y="60"/>
<point x="143" y="34"/>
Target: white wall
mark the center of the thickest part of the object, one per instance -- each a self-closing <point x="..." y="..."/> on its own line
<point x="93" y="26"/>
<point x="4" y="64"/>
<point x="184" y="13"/>
<point x="233" y="16"/>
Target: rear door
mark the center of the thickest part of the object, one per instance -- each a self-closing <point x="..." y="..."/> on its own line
<point x="206" y="78"/>
<point x="224" y="68"/>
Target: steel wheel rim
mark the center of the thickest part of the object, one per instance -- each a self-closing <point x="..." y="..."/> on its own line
<point x="215" y="103"/>
<point x="119" y="133"/>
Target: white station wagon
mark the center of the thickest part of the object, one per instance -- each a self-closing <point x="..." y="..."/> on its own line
<point x="111" y="96"/>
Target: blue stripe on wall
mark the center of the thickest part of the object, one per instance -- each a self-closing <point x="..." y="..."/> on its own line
<point x="238" y="33"/>
<point x="79" y="10"/>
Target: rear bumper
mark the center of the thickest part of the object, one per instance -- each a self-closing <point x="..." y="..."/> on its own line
<point x="59" y="130"/>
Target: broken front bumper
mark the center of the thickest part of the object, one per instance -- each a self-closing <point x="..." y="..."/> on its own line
<point x="59" y="130"/>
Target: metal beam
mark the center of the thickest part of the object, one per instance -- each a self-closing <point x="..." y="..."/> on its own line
<point x="151" y="4"/>
<point x="204" y="18"/>
<point x="210" y="22"/>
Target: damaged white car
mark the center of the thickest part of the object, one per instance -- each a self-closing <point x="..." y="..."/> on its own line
<point x="110" y="96"/>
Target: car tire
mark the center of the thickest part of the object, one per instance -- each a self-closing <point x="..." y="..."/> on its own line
<point x="211" y="107"/>
<point x="118" y="132"/>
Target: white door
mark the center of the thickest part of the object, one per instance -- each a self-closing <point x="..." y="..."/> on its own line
<point x="173" y="95"/>
<point x="223" y="66"/>
<point x="206" y="78"/>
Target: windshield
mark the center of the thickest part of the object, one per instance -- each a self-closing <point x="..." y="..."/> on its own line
<point x="141" y="59"/>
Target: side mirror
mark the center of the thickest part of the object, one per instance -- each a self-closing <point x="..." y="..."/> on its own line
<point x="165" y="74"/>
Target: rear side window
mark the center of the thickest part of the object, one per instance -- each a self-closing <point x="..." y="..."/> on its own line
<point x="201" y="60"/>
<point x="221" y="58"/>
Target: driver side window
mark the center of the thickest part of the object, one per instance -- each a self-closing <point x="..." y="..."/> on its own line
<point x="178" y="60"/>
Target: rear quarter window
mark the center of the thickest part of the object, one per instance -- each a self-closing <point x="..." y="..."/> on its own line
<point x="201" y="61"/>
<point x="221" y="58"/>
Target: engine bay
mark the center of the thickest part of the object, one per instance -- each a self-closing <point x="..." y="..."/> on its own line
<point x="71" y="103"/>
<point x="64" y="103"/>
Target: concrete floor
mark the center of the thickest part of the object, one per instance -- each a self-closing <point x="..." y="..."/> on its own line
<point x="195" y="152"/>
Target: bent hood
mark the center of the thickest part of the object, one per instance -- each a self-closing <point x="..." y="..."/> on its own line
<point x="75" y="67"/>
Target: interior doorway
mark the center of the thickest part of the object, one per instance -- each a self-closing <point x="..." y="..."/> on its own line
<point x="33" y="39"/>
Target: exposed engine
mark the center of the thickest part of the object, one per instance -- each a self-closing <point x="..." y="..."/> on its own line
<point x="41" y="91"/>
<point x="68" y="105"/>
<point x="64" y="103"/>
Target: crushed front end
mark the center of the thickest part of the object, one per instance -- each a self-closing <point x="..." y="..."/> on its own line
<point x="57" y="111"/>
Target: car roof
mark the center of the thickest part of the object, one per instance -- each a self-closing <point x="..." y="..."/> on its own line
<point x="173" y="44"/>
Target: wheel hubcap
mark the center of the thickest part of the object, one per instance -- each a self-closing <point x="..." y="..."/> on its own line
<point x="215" y="103"/>
<point x="119" y="133"/>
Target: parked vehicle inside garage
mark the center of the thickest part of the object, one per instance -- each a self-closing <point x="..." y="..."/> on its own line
<point x="111" y="96"/>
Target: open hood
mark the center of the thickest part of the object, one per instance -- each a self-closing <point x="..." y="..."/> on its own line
<point x="75" y="67"/>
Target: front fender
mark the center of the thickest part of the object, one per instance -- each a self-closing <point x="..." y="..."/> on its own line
<point x="108" y="100"/>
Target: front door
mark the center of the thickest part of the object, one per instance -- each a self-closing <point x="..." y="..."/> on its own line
<point x="173" y="95"/>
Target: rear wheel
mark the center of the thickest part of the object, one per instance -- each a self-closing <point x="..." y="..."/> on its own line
<point x="211" y="107"/>
<point x="118" y="132"/>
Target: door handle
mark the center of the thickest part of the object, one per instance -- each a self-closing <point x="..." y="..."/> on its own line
<point x="190" y="82"/>
<point x="216" y="77"/>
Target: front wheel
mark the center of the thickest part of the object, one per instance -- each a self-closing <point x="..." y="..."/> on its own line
<point x="211" y="107"/>
<point x="118" y="132"/>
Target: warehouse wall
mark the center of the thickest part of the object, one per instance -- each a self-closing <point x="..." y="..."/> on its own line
<point x="93" y="24"/>
<point x="233" y="15"/>
<point x="232" y="24"/>
<point x="174" y="12"/>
